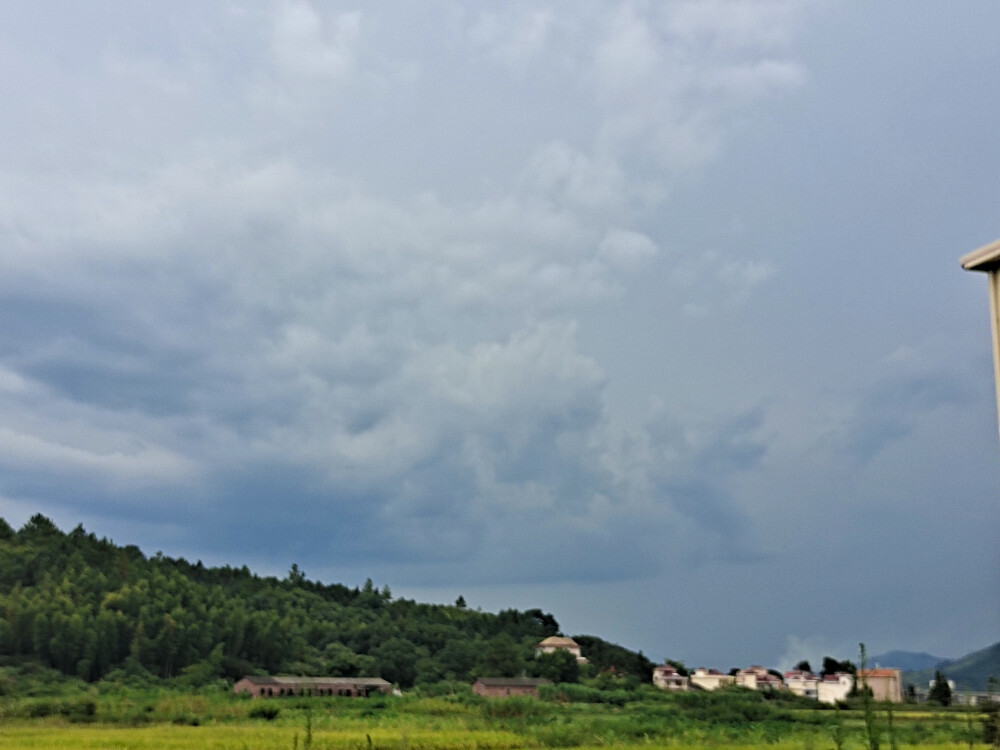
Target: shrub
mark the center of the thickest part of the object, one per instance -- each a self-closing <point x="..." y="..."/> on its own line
<point x="511" y="708"/>
<point x="82" y="709"/>
<point x="267" y="711"/>
<point x="572" y="693"/>
<point x="38" y="709"/>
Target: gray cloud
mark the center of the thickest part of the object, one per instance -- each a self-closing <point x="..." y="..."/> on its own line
<point x="891" y="410"/>
<point x="467" y="297"/>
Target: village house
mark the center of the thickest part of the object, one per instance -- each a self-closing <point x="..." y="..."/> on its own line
<point x="667" y="677"/>
<point x="506" y="687"/>
<point x="758" y="678"/>
<point x="711" y="679"/>
<point x="265" y="686"/>
<point x="560" y="643"/>
<point x="802" y="683"/>
<point x="885" y="683"/>
<point x="834" y="688"/>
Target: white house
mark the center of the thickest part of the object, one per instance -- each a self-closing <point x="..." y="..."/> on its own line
<point x="668" y="678"/>
<point x="711" y="679"/>
<point x="560" y="643"/>
<point x="758" y="678"/>
<point x="802" y="683"/>
<point x="834" y="687"/>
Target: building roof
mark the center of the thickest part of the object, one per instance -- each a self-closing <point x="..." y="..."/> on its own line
<point x="257" y="679"/>
<point x="799" y="674"/>
<point x="986" y="258"/>
<point x="878" y="672"/>
<point x="513" y="681"/>
<point x="558" y="641"/>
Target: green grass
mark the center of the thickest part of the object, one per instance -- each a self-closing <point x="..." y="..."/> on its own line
<point x="57" y="735"/>
<point x="213" y="719"/>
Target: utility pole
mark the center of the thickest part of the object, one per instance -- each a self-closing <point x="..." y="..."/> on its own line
<point x="987" y="259"/>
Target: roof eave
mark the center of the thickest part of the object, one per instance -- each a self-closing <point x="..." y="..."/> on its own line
<point x="986" y="258"/>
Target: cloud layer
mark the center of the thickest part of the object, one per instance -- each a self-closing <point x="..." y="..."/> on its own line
<point x="323" y="283"/>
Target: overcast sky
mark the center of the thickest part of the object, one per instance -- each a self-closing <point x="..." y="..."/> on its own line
<point x="646" y="314"/>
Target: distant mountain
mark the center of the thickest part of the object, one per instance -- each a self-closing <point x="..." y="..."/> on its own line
<point x="908" y="661"/>
<point x="971" y="672"/>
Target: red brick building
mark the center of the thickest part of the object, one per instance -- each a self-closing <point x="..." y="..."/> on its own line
<point x="506" y="687"/>
<point x="265" y="686"/>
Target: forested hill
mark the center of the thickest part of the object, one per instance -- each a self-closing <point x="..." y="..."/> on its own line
<point x="971" y="672"/>
<point x="90" y="608"/>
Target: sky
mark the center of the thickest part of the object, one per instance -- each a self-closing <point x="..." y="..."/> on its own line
<point x="648" y="314"/>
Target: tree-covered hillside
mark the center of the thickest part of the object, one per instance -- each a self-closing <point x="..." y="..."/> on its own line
<point x="88" y="607"/>
<point x="970" y="672"/>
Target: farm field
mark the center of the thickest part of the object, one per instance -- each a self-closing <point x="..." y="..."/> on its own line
<point x="221" y="737"/>
<point x="53" y="736"/>
<point x="221" y="722"/>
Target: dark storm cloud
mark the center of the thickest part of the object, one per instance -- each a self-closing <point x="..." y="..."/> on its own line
<point x="527" y="298"/>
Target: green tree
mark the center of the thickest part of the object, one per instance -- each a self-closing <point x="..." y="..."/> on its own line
<point x="991" y="716"/>
<point x="873" y="732"/>
<point x="501" y="658"/>
<point x="91" y="608"/>
<point x="203" y="672"/>
<point x="458" y="659"/>
<point x="558" y="666"/>
<point x="605" y="656"/>
<point x="397" y="660"/>
<point x="39" y="526"/>
<point x="940" y="691"/>
<point x="832" y="666"/>
<point x="295" y="575"/>
<point x="342" y="662"/>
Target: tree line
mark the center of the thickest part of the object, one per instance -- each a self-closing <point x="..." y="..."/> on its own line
<point x="92" y="609"/>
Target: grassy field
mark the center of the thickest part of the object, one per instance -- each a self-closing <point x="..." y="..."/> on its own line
<point x="219" y="721"/>
<point x="50" y="736"/>
<point x="63" y="736"/>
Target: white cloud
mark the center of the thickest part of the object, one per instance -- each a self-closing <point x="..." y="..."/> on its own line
<point x="311" y="43"/>
<point x="145" y="464"/>
<point x="709" y="280"/>
<point x="626" y="248"/>
<point x="11" y="382"/>
<point x="670" y="76"/>
<point x="535" y="371"/>
<point x="732" y="27"/>
<point x="513" y="38"/>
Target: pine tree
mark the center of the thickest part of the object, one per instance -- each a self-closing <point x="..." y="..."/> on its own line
<point x="940" y="691"/>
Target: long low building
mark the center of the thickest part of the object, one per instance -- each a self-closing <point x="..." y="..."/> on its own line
<point x="266" y="686"/>
<point x="508" y="687"/>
